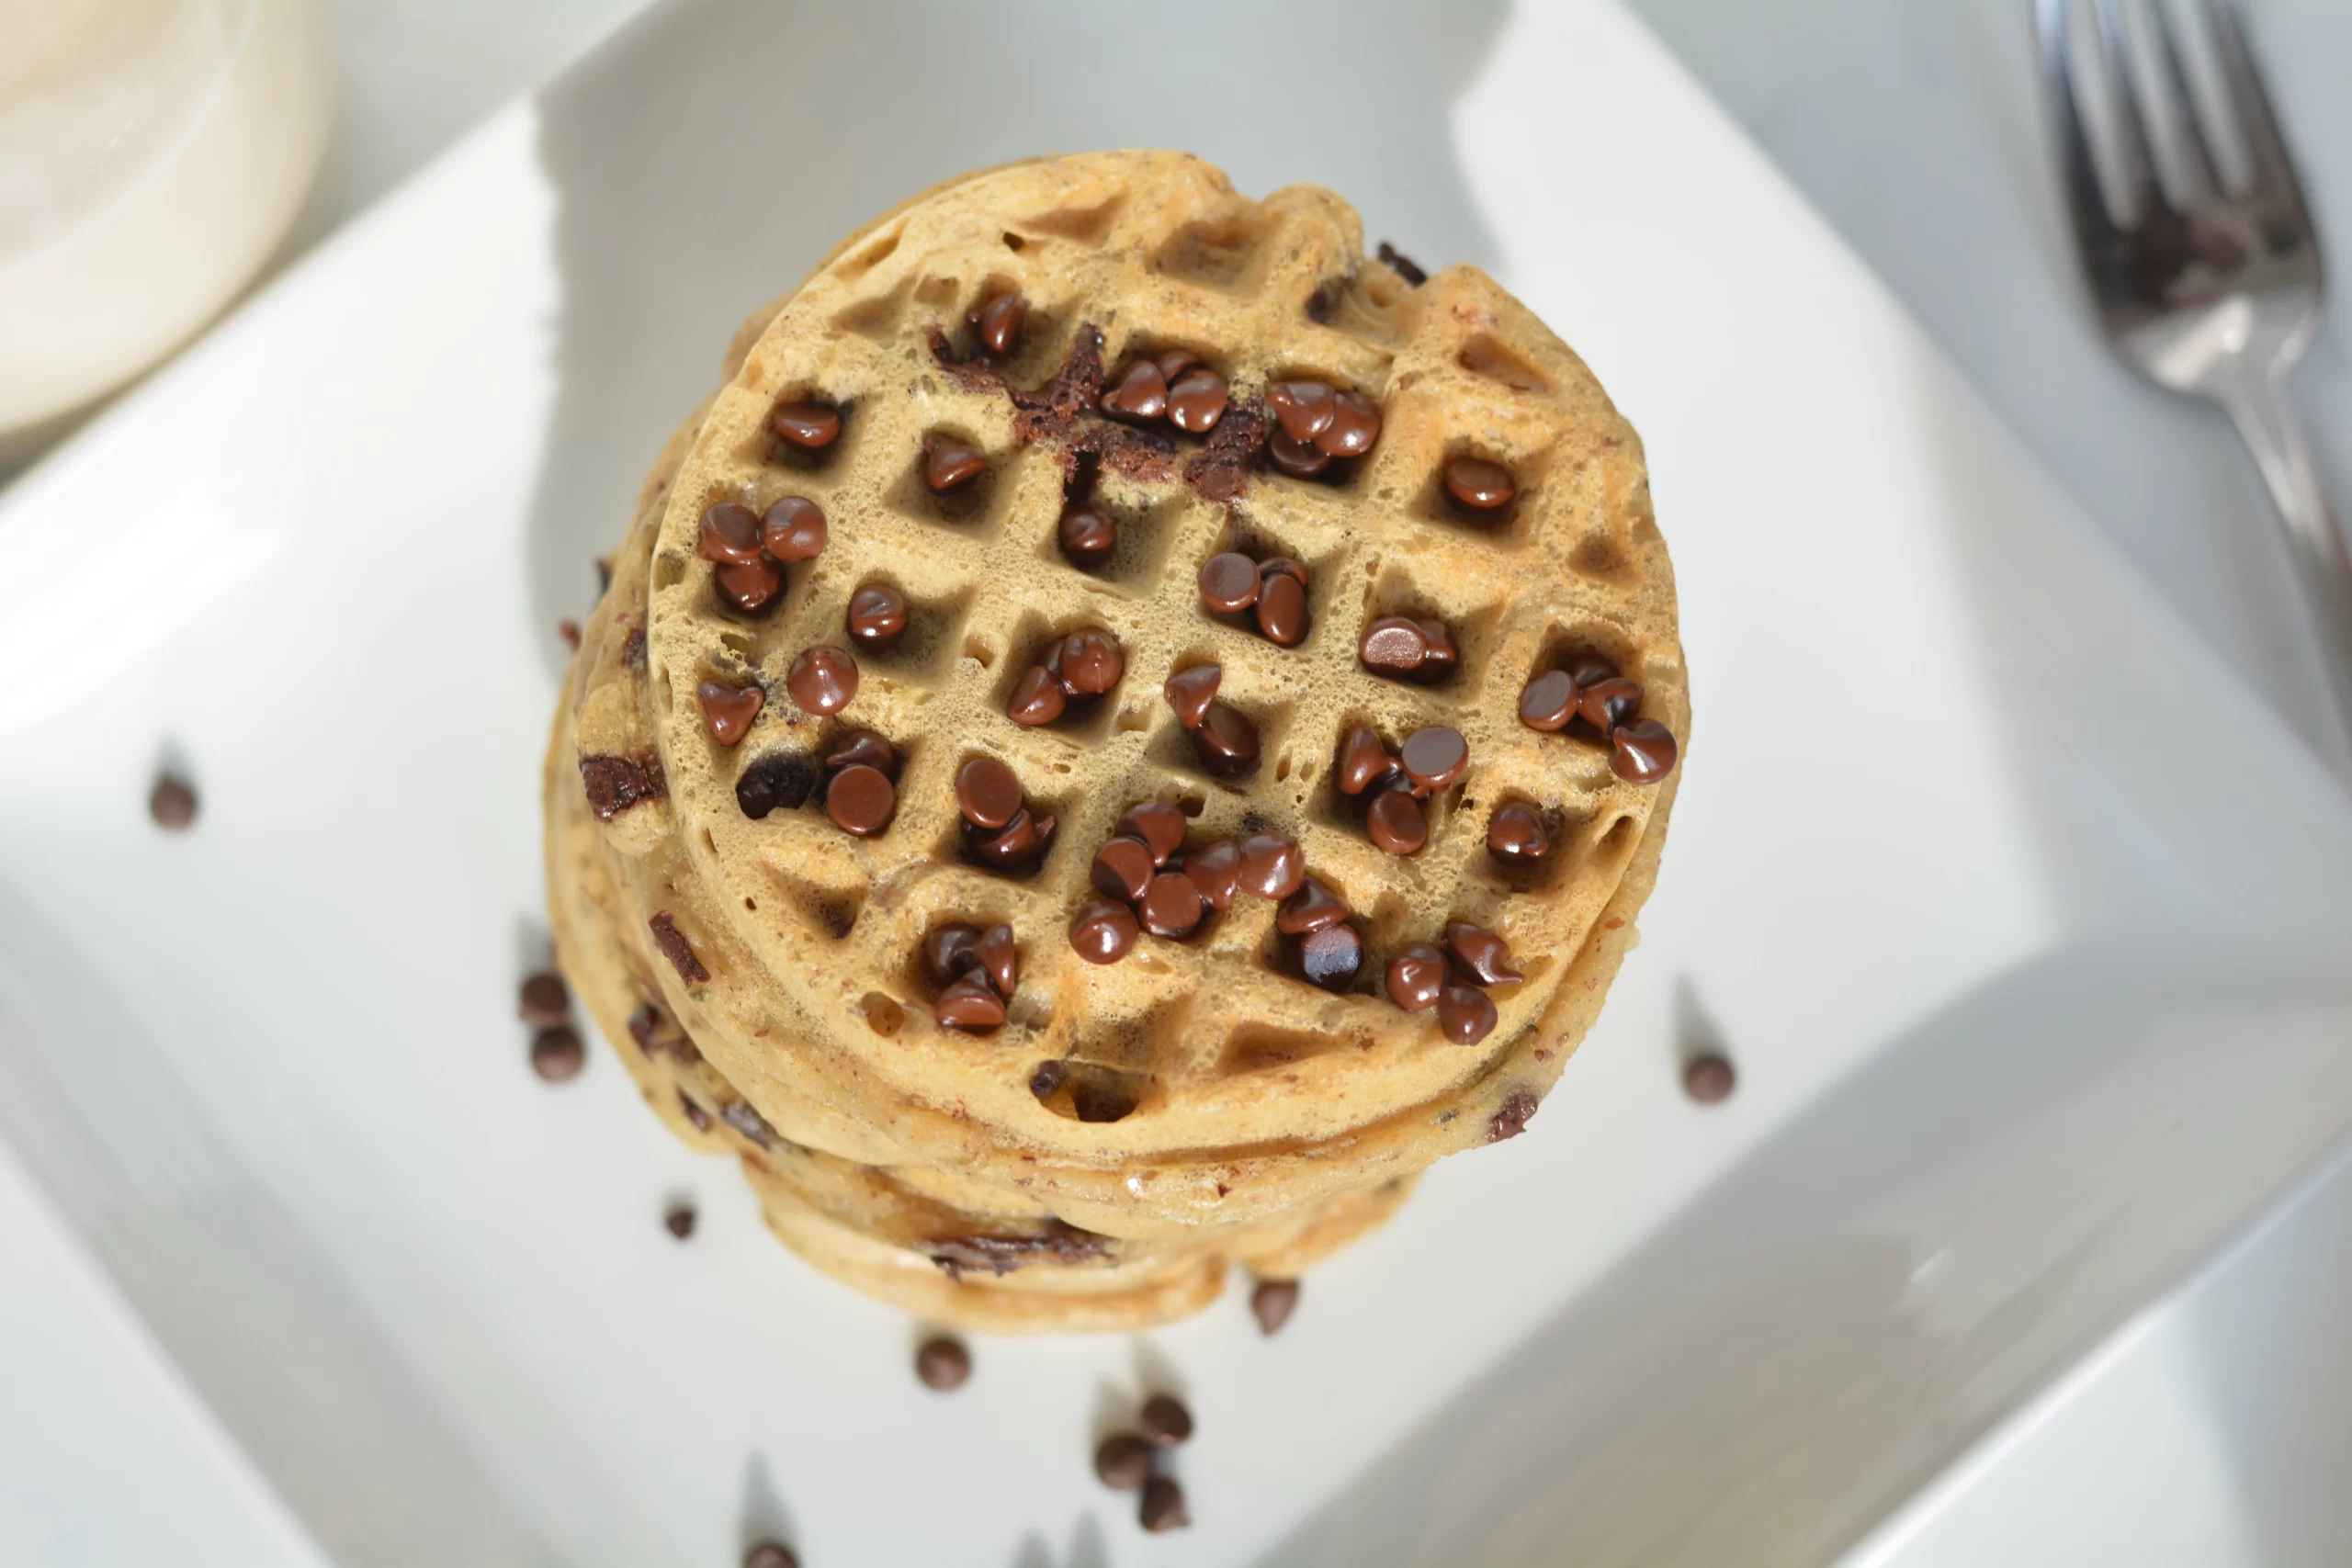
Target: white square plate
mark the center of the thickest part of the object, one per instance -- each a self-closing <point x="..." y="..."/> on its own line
<point x="2024" y="923"/>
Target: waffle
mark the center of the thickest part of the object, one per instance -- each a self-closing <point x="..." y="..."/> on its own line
<point x="1199" y="1091"/>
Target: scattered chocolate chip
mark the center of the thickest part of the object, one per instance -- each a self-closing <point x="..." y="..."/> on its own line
<point x="779" y="781"/>
<point x="988" y="791"/>
<point x="1163" y="1506"/>
<point x="1123" y="1462"/>
<point x="557" y="1054"/>
<point x="1438" y="656"/>
<point x="546" y="1001"/>
<point x="1140" y="393"/>
<point x="1402" y="264"/>
<point x="568" y="629"/>
<point x="1174" y="362"/>
<point x="730" y="532"/>
<point x="1591" y="669"/>
<point x="1189" y="693"/>
<point x="1087" y="537"/>
<point x="1393" y="646"/>
<point x="1197" y="401"/>
<point x="1483" y="955"/>
<point x="633" y="645"/>
<point x="1416" y="976"/>
<point x="949" y="464"/>
<point x="1272" y="866"/>
<point x="750" y="587"/>
<point x="692" y="1112"/>
<point x="1216" y="872"/>
<point x="812" y="427"/>
<point x="943" y="1363"/>
<point x="1284" y="565"/>
<point x="1226" y="742"/>
<point x="1228" y="582"/>
<point x="1299" y="459"/>
<point x="1103" y="931"/>
<point x="1515" y="835"/>
<point x="727" y="712"/>
<point x="1047" y="1078"/>
<point x="1271" y="1301"/>
<point x="1091" y="662"/>
<point x="1122" y="870"/>
<point x="1311" y="909"/>
<point x="1609" y="703"/>
<point x="997" y="322"/>
<point x="1479" y="484"/>
<point x="1642" y="753"/>
<point x="877" y="618"/>
<point x="739" y="1114"/>
<point x="1512" y="1119"/>
<point x="679" y="1219"/>
<point x="951" y="952"/>
<point x="1708" y="1079"/>
<point x="1354" y="427"/>
<point x="970" y="1006"/>
<point x="1160" y="828"/>
<point x="770" y="1554"/>
<point x="1332" y="957"/>
<point x="1001" y="959"/>
<point x="677" y="948"/>
<point x="1364" y="760"/>
<point x="861" y="800"/>
<point x="1023" y="840"/>
<point x="1549" y="701"/>
<point x="1464" y="1016"/>
<point x="1282" y="609"/>
<point x="1039" y="697"/>
<point x="1394" y="822"/>
<point x="1434" y="757"/>
<point x="822" y="680"/>
<point x="793" y="530"/>
<point x="863" y="746"/>
<point x="1305" y="408"/>
<point x="613" y="784"/>
<point x="1165" y="1421"/>
<point x="1171" y="905"/>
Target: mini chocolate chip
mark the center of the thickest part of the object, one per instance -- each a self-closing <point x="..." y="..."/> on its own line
<point x="676" y="948"/>
<point x="1163" y="1506"/>
<point x="1039" y="697"/>
<point x="1102" y="932"/>
<point x="1299" y="459"/>
<point x="793" y="530"/>
<point x="1402" y="266"/>
<point x="1122" y="870"/>
<point x="1023" y="839"/>
<point x="1123" y="1462"/>
<point x="1393" y="646"/>
<point x="1197" y="401"/>
<point x="1141" y="392"/>
<point x="812" y="427"/>
<point x="1216" y="872"/>
<point x="1549" y="701"/>
<point x="1271" y="1301"/>
<point x="1165" y="1421"/>
<point x="730" y="531"/>
<point x="1438" y="656"/>
<point x="1477" y="483"/>
<point x="877" y="618"/>
<point x="780" y="780"/>
<point x="1284" y="565"/>
<point x="1159" y="826"/>
<point x="727" y="712"/>
<point x="1087" y="537"/>
<point x="1364" y="760"/>
<point x="1394" y="822"/>
<point x="1311" y="909"/>
<point x="1511" y="1119"/>
<point x="1305" y="408"/>
<point x="1434" y="757"/>
<point x="1226" y="742"/>
<point x="861" y="800"/>
<point x="1515" y="834"/>
<point x="1172" y="906"/>
<point x="679" y="1219"/>
<point x="1642" y="753"/>
<point x="1272" y="866"/>
<point x="1189" y="693"/>
<point x="1282" y="610"/>
<point x="546" y="1001"/>
<point x="998" y="322"/>
<point x="857" y="746"/>
<point x="1001" y="959"/>
<point x="557" y="1054"/>
<point x="1416" y="976"/>
<point x="1708" y="1079"/>
<point x="943" y="1363"/>
<point x="948" y="463"/>
<point x="822" y="680"/>
<point x="970" y="1006"/>
<point x="1228" y="581"/>
<point x="1464" y="1015"/>
<point x="951" y="952"/>
<point x="1332" y="957"/>
<point x="1355" y="426"/>
<point x="748" y="587"/>
<point x="1607" y="703"/>
<point x="1091" y="662"/>
<point x="1174" y="362"/>
<point x="1482" y="954"/>
<point x="770" y="1554"/>
<point x="988" y="791"/>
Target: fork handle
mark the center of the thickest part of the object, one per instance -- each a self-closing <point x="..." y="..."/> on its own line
<point x="2274" y="433"/>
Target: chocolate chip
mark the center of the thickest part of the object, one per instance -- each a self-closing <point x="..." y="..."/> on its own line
<point x="613" y="784"/>
<point x="1189" y="693"/>
<point x="730" y="531"/>
<point x="1282" y="609"/>
<point x="692" y="1112"/>
<point x="1087" y="537"/>
<point x="633" y="645"/>
<point x="1606" y="704"/>
<point x="1416" y="976"/>
<point x="812" y="427"/>
<point x="877" y="617"/>
<point x="557" y="1054"/>
<point x="750" y="587"/>
<point x="568" y="629"/>
<point x="781" y="780"/>
<point x="970" y="1006"/>
<point x="1464" y="1016"/>
<point x="864" y="746"/>
<point x="1226" y="742"/>
<point x="943" y="1363"/>
<point x="545" y="1000"/>
<point x="1402" y="266"/>
<point x="1039" y="697"/>
<point x="1091" y="662"/>
<point x="988" y="791"/>
<point x="676" y="948"/>
<point x="739" y="1114"/>
<point x="1590" y="670"/>
<point x="1434" y="757"/>
<point x="1141" y="393"/>
<point x="1228" y="582"/>
<point x="1122" y="870"/>
<point x="1163" y="1506"/>
<point x="727" y="712"/>
<point x="1123" y="1462"/>
<point x="770" y="1554"/>
<point x="1394" y="822"/>
<point x="1483" y="955"/>
<point x="1047" y="1078"/>
<point x="1355" y="426"/>
<point x="1272" y="1301"/>
<point x="1271" y="865"/>
<point x="1172" y="906"/>
<point x="1437" y="656"/>
<point x="1102" y="932"/>
<point x="948" y="463"/>
<point x="1174" y="362"/>
<point x="1708" y="1079"/>
<point x="1001" y="959"/>
<point x="1165" y="1421"/>
<point x="1364" y="760"/>
<point x="1197" y="401"/>
<point x="951" y="952"/>
<point x="1512" y="1119"/>
<point x="1299" y="459"/>
<point x="1332" y="957"/>
<point x="1479" y="484"/>
<point x="1549" y="701"/>
<point x="861" y="800"/>
<point x="1159" y="826"/>
<point x="998" y="322"/>
<point x="1311" y="909"/>
<point x="1216" y="872"/>
<point x="1305" y="408"/>
<point x="679" y="1219"/>
<point x="1515" y="835"/>
<point x="1023" y="839"/>
<point x="1393" y="646"/>
<point x="822" y="680"/>
<point x="1642" y="753"/>
<point x="1284" y="565"/>
<point x="793" y="530"/>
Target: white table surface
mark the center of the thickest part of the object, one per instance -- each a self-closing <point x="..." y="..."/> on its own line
<point x="1915" y="128"/>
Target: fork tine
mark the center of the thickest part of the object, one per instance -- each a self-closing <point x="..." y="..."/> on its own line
<point x="2085" y="201"/>
<point x="2265" y="145"/>
<point x="2145" y="197"/>
<point x="2195" y="151"/>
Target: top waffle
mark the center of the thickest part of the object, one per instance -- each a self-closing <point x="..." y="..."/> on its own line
<point x="936" y="393"/>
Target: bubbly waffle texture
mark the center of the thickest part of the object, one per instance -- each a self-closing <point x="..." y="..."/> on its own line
<point x="1270" y="1120"/>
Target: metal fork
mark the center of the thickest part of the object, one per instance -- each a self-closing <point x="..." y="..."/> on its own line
<point x="2216" y="293"/>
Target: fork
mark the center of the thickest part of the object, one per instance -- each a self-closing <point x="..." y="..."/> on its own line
<point x="2215" y="293"/>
